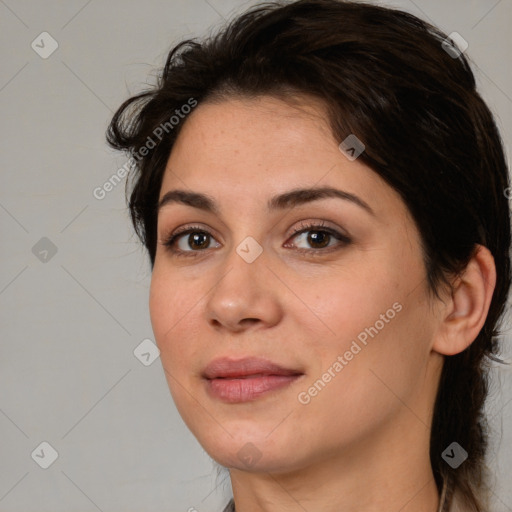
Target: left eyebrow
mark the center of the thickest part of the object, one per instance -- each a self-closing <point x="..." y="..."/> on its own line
<point x="288" y="199"/>
<point x="300" y="196"/>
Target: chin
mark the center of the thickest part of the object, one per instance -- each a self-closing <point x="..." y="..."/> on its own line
<point x="255" y="453"/>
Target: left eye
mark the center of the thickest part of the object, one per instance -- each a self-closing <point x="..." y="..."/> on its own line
<point x="319" y="237"/>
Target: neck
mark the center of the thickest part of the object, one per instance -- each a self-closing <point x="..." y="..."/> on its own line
<point x="391" y="473"/>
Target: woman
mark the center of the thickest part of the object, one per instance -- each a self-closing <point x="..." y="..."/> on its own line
<point x="322" y="194"/>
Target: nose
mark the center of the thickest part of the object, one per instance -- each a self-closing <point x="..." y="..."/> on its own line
<point x="246" y="296"/>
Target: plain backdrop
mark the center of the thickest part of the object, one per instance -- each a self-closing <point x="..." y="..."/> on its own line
<point x="74" y="280"/>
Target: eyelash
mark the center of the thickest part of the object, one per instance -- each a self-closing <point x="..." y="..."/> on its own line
<point x="170" y="242"/>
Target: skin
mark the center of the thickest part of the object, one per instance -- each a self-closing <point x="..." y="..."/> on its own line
<point x="362" y="443"/>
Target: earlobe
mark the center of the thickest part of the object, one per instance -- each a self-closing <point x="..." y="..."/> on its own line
<point x="467" y="308"/>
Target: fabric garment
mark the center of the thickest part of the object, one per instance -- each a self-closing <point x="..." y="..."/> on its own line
<point x="444" y="501"/>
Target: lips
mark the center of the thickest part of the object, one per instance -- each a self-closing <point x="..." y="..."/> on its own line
<point x="250" y="366"/>
<point x="247" y="379"/>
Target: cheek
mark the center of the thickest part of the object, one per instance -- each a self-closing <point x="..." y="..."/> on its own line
<point x="375" y="318"/>
<point x="170" y="311"/>
<point x="161" y="306"/>
<point x="351" y="302"/>
<point x="384" y="355"/>
<point x="371" y="382"/>
<point x="169" y="308"/>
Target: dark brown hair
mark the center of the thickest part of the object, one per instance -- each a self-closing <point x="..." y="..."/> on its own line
<point x="401" y="87"/>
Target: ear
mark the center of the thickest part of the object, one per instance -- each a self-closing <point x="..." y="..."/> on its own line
<point x="465" y="311"/>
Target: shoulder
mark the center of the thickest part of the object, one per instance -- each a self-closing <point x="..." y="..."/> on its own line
<point x="456" y="503"/>
<point x="230" y="507"/>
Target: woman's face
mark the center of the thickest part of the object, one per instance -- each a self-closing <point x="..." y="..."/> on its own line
<point x="326" y="291"/>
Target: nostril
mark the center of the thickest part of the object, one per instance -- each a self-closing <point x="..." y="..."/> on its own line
<point x="249" y="321"/>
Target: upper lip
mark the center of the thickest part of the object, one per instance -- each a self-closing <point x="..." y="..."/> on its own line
<point x="226" y="367"/>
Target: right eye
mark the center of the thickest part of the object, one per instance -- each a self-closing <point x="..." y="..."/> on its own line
<point x="180" y="242"/>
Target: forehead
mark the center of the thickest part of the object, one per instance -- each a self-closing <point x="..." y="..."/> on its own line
<point x="260" y="147"/>
<point x="224" y="128"/>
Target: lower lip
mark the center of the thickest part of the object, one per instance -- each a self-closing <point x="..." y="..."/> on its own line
<point x="247" y="389"/>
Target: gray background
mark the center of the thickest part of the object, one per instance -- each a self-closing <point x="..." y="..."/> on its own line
<point x="72" y="320"/>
